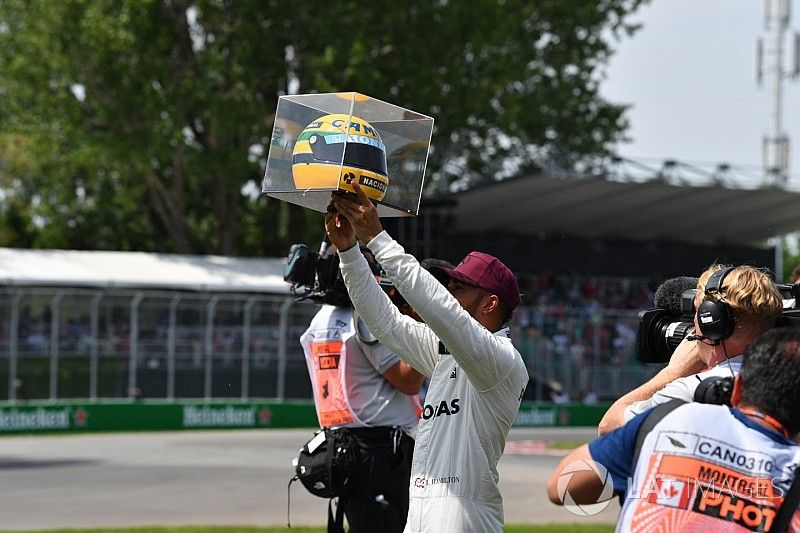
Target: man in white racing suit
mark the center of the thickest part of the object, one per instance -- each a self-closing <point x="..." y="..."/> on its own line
<point x="476" y="375"/>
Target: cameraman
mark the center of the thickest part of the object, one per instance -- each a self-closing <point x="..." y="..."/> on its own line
<point x="699" y="467"/>
<point x="749" y="305"/>
<point x="362" y="388"/>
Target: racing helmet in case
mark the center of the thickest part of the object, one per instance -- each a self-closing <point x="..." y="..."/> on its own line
<point x="343" y="148"/>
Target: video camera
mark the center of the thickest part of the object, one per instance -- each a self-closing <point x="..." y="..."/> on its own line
<point x="317" y="274"/>
<point x="662" y="328"/>
<point x="715" y="390"/>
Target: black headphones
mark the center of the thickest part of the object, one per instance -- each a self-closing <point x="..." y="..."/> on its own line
<point x="714" y="316"/>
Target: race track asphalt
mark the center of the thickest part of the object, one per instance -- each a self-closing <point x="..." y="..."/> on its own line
<point x="212" y="478"/>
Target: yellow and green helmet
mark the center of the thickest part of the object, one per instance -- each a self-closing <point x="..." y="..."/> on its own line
<point x="327" y="143"/>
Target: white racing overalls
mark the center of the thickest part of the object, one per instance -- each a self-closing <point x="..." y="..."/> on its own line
<point x="476" y="383"/>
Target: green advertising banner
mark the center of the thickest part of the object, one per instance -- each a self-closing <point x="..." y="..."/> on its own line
<point x="146" y="416"/>
<point x="553" y="415"/>
<point x="154" y="416"/>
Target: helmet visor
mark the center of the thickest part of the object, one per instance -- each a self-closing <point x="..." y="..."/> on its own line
<point x="365" y="156"/>
<point x="361" y="151"/>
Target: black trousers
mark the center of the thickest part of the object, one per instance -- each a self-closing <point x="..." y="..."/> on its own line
<point x="378" y="495"/>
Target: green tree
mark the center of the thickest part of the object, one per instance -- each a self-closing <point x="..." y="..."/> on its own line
<point x="790" y="244"/>
<point x="143" y="124"/>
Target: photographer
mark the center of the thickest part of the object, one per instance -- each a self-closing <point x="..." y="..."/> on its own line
<point x="366" y="393"/>
<point x="476" y="375"/>
<point x="699" y="467"/>
<point x="735" y="305"/>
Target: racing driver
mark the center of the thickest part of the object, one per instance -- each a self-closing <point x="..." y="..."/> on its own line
<point x="476" y="375"/>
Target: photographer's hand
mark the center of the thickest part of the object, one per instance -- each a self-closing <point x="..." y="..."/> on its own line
<point x="360" y="212"/>
<point x="690" y="357"/>
<point x="338" y="229"/>
<point x="687" y="360"/>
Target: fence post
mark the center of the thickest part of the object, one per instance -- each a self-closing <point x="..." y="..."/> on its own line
<point x="173" y="310"/>
<point x="280" y="387"/>
<point x="247" y="310"/>
<point x="95" y="334"/>
<point x="209" y="346"/>
<point x="133" y="342"/>
<point x="13" y="347"/>
<point x="596" y="349"/>
<point x="55" y="323"/>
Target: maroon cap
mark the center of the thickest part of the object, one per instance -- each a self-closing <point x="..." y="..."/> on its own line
<point x="488" y="273"/>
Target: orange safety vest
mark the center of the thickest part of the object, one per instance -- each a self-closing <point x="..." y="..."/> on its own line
<point x="325" y="347"/>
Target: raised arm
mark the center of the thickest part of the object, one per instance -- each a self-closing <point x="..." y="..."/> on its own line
<point x="412" y="341"/>
<point x="661" y="388"/>
<point x="485" y="357"/>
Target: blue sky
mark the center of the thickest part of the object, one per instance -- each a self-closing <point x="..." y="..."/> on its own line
<point x="689" y="75"/>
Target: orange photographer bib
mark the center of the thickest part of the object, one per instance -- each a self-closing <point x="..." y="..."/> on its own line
<point x="702" y="470"/>
<point x="325" y="348"/>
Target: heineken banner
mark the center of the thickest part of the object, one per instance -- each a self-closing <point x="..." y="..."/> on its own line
<point x="551" y="415"/>
<point x="146" y="416"/>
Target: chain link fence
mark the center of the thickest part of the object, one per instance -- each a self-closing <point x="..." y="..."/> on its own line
<point x="112" y="344"/>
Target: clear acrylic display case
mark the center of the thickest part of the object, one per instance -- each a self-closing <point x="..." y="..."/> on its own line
<point x="323" y="142"/>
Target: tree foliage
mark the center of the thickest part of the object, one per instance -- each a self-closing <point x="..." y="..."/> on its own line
<point x="143" y="124"/>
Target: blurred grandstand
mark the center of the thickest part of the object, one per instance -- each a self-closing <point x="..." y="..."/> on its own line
<point x="100" y="325"/>
<point x="589" y="253"/>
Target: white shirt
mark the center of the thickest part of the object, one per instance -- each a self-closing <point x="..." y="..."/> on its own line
<point x="683" y="388"/>
<point x="476" y="384"/>
<point x="346" y="370"/>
